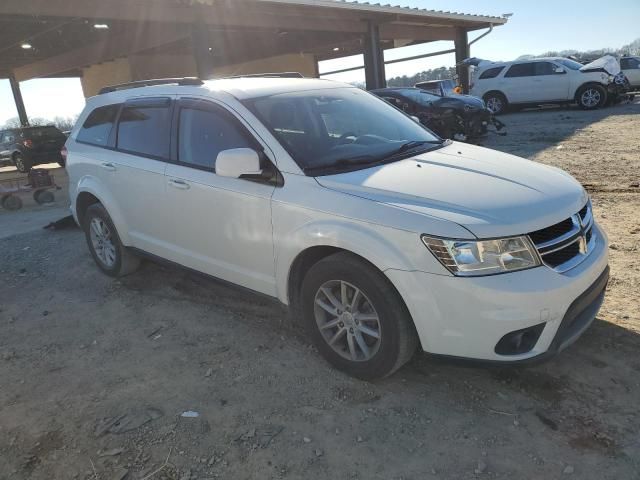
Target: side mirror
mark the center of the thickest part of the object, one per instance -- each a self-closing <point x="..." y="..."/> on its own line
<point x="238" y="162"/>
<point x="559" y="70"/>
<point x="415" y="119"/>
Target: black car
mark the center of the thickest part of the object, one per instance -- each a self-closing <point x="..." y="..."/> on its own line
<point x="25" y="147"/>
<point x="460" y="117"/>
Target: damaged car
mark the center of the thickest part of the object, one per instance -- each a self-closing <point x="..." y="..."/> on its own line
<point x="459" y="117"/>
<point x="541" y="81"/>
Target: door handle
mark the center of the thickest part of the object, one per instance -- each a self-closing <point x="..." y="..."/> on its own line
<point x="180" y="184"/>
<point x="108" y="166"/>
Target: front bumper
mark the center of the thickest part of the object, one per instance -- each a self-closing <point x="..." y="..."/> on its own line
<point x="467" y="317"/>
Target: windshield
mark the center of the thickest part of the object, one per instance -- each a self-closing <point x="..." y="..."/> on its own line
<point x="572" y="64"/>
<point x="332" y="130"/>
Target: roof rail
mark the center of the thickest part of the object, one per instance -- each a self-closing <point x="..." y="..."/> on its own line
<point x="147" y="83"/>
<point x="270" y="75"/>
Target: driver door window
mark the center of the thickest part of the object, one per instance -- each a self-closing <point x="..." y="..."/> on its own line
<point x="203" y="134"/>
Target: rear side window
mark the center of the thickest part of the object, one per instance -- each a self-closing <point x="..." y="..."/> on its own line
<point x="629" y="63"/>
<point x="545" y="68"/>
<point x="491" y="73"/>
<point x="521" y="70"/>
<point x="145" y="130"/>
<point x="97" y="127"/>
<point x="203" y="134"/>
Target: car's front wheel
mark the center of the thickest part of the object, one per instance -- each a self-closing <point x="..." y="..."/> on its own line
<point x="590" y="97"/>
<point x="496" y="102"/>
<point x="105" y="246"/>
<point x="355" y="317"/>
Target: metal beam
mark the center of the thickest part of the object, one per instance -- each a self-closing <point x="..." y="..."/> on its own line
<point x="462" y="51"/>
<point x="17" y="97"/>
<point x="395" y="31"/>
<point x="374" y="59"/>
<point x="119" y="44"/>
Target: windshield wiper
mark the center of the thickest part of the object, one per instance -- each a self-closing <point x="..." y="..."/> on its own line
<point x="373" y="160"/>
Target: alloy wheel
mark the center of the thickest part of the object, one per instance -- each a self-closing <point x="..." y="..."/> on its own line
<point x="590" y="97"/>
<point x="494" y="104"/>
<point x="347" y="320"/>
<point x="102" y="242"/>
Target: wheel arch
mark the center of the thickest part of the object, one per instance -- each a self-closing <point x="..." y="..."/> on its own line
<point x="590" y="83"/>
<point x="313" y="242"/>
<point x="495" y="92"/>
<point x="88" y="193"/>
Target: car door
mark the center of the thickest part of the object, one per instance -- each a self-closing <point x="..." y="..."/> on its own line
<point x="220" y="225"/>
<point x="631" y="68"/>
<point x="136" y="170"/>
<point x="551" y="82"/>
<point x="518" y="83"/>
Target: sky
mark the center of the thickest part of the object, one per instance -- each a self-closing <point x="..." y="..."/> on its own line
<point x="535" y="27"/>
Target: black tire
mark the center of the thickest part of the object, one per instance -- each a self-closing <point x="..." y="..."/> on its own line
<point x="11" y="202"/>
<point x="21" y="164"/>
<point x="591" y="97"/>
<point x="43" y="196"/>
<point x="398" y="339"/>
<point x="496" y="102"/>
<point x="125" y="262"/>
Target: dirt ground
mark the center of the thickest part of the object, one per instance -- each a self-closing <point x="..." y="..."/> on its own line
<point x="95" y="374"/>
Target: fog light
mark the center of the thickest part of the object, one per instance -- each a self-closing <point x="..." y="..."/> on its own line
<point x="519" y="341"/>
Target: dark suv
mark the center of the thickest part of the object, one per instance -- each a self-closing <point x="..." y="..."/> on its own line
<point x="25" y="147"/>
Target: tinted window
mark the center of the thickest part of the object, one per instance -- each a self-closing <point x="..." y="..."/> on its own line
<point x="521" y="70"/>
<point x="545" y="68"/>
<point x="491" y="72"/>
<point x="43" y="132"/>
<point x="8" y="137"/>
<point x="145" y="130"/>
<point x="629" y="63"/>
<point x="205" y="133"/>
<point x="97" y="127"/>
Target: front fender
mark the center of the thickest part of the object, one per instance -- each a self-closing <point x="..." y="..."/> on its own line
<point x="92" y="185"/>
<point x="383" y="247"/>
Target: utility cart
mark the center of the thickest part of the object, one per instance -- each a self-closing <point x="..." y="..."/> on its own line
<point x="39" y="183"/>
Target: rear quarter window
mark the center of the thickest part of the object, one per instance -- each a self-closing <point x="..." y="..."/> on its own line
<point x="491" y="73"/>
<point x="96" y="129"/>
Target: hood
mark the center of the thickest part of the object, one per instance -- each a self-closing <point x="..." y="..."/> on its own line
<point x="470" y="100"/>
<point x="607" y="64"/>
<point x="489" y="193"/>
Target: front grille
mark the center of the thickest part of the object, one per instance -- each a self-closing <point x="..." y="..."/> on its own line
<point x="566" y="244"/>
<point x="549" y="233"/>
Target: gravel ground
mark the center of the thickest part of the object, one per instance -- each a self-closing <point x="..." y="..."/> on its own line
<point x="96" y="373"/>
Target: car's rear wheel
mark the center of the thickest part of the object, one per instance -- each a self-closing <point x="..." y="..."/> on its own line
<point x="496" y="102"/>
<point x="590" y="97"/>
<point x="21" y="164"/>
<point x="355" y="317"/>
<point x="105" y="246"/>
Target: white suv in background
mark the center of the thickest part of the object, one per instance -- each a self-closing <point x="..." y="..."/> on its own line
<point x="541" y="81"/>
<point x="380" y="236"/>
<point x="630" y="66"/>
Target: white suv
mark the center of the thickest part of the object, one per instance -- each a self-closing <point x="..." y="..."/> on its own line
<point x="541" y="81"/>
<point x="380" y="236"/>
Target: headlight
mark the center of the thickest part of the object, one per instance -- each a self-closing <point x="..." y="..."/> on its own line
<point x="467" y="258"/>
